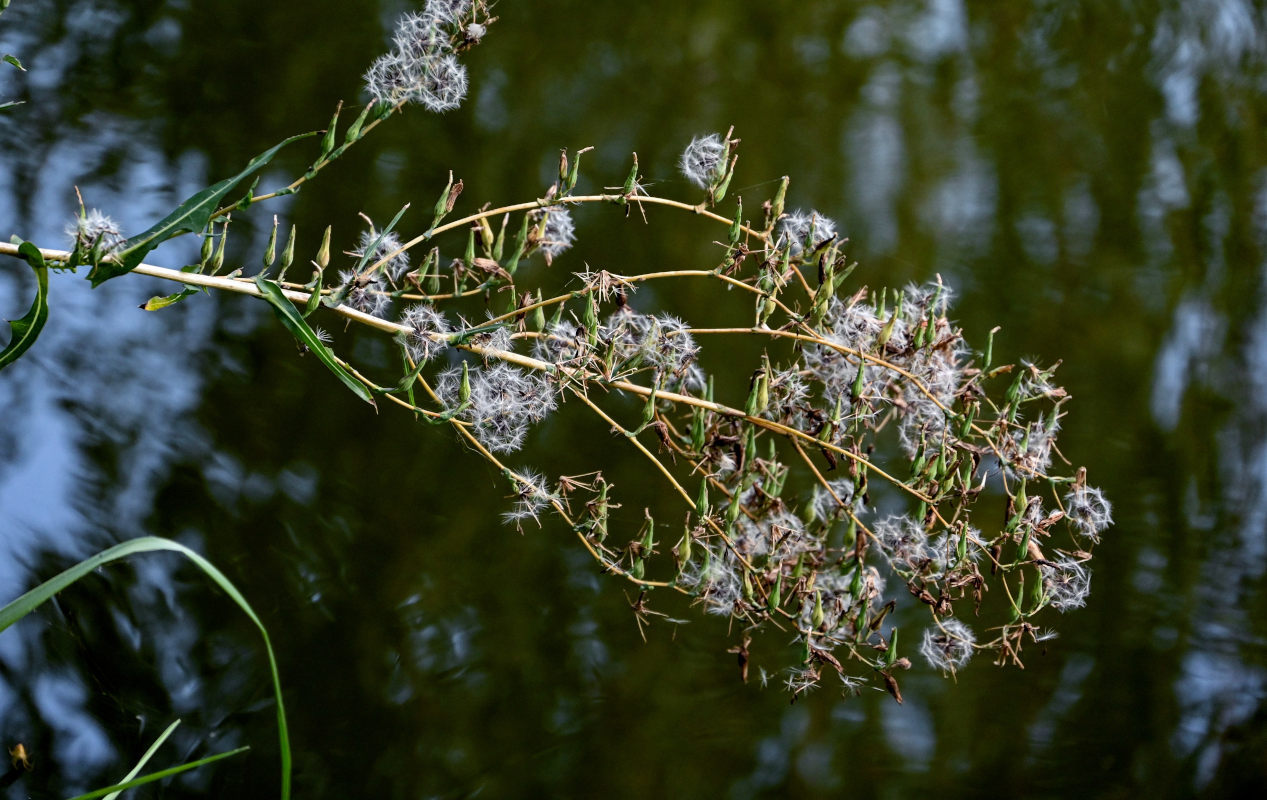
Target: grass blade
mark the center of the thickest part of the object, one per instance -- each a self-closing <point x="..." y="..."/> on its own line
<point x="162" y="737"/>
<point x="33" y="599"/>
<point x="156" y="776"/>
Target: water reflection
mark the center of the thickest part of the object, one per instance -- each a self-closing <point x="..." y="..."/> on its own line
<point x="1089" y="176"/>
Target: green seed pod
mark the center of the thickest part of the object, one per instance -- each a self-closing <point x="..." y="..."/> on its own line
<point x="697" y="430"/>
<point x="288" y="253"/>
<point x="539" y="315"/>
<point x="487" y="240"/>
<point x="817" y="619"/>
<point x="464" y="392"/>
<point x="776" y="596"/>
<point x="208" y="243"/>
<point x="443" y="206"/>
<point x="327" y="141"/>
<point x="890" y="655"/>
<point x="433" y="278"/>
<point x="468" y="258"/>
<point x="1035" y="595"/>
<point x="702" y="506"/>
<point x="777" y="204"/>
<point x="217" y="261"/>
<point x="684" y="546"/>
<point x="989" y="348"/>
<point x="855" y="586"/>
<point x="631" y="181"/>
<point x="961" y="551"/>
<point x="737" y="226"/>
<point x="354" y="130"/>
<point x="270" y="251"/>
<point x="499" y="244"/>
<point x="521" y="244"/>
<point x="323" y="254"/>
<point x="747" y="587"/>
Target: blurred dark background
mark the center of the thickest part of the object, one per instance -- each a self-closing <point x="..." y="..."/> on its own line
<point x="1091" y="176"/>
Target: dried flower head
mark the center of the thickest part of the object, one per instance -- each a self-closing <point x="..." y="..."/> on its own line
<point x="388" y="245"/>
<point x="442" y="85"/>
<point x="703" y="161"/>
<point x="365" y="293"/>
<point x="559" y="232"/>
<point x="801" y="231"/>
<point x="427" y="332"/>
<point x="948" y="646"/>
<point x="503" y="404"/>
<point x="422" y="68"/>
<point x="1067" y="583"/>
<point x="1089" y="511"/>
<point x="95" y="231"/>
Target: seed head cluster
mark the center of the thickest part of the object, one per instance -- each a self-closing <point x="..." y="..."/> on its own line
<point x="800" y="231"/>
<point x="949" y="646"/>
<point x="388" y="246"/>
<point x="94" y="232"/>
<point x="427" y="334"/>
<point x="504" y="403"/>
<point x="366" y="292"/>
<point x="704" y="160"/>
<point x="423" y="67"/>
<point x="559" y="232"/>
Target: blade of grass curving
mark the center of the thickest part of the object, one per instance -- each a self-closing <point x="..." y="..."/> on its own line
<point x="24" y="331"/>
<point x="156" y="776"/>
<point x="162" y="737"/>
<point x="19" y="608"/>
<point x="294" y="322"/>
<point x="190" y="216"/>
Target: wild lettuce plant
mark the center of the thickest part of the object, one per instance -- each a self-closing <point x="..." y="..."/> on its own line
<point x="864" y="399"/>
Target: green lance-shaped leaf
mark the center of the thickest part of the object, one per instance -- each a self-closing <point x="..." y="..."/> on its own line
<point x="19" y="608"/>
<point x="24" y="331"/>
<point x="191" y="216"/>
<point x="294" y="322"/>
<point x="159" y="302"/>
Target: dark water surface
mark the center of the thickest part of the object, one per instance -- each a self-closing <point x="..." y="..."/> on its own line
<point x="1091" y="176"/>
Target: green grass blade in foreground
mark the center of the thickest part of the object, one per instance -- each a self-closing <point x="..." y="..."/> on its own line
<point x="25" y="330"/>
<point x="162" y="737"/>
<point x="156" y="776"/>
<point x="28" y="602"/>
<point x="294" y="322"/>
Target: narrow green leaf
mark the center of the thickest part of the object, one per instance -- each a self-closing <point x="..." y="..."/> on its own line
<point x="294" y="322"/>
<point x="162" y="737"/>
<point x="24" y="331"/>
<point x="14" y="61"/>
<point x="156" y="303"/>
<point x="158" y="776"/>
<point x="191" y="216"/>
<point x="33" y="599"/>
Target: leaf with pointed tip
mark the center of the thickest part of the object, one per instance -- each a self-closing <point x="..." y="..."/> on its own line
<point x="294" y="322"/>
<point x="19" y="608"/>
<point x="157" y="303"/>
<point x="190" y="217"/>
<point x="25" y="330"/>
